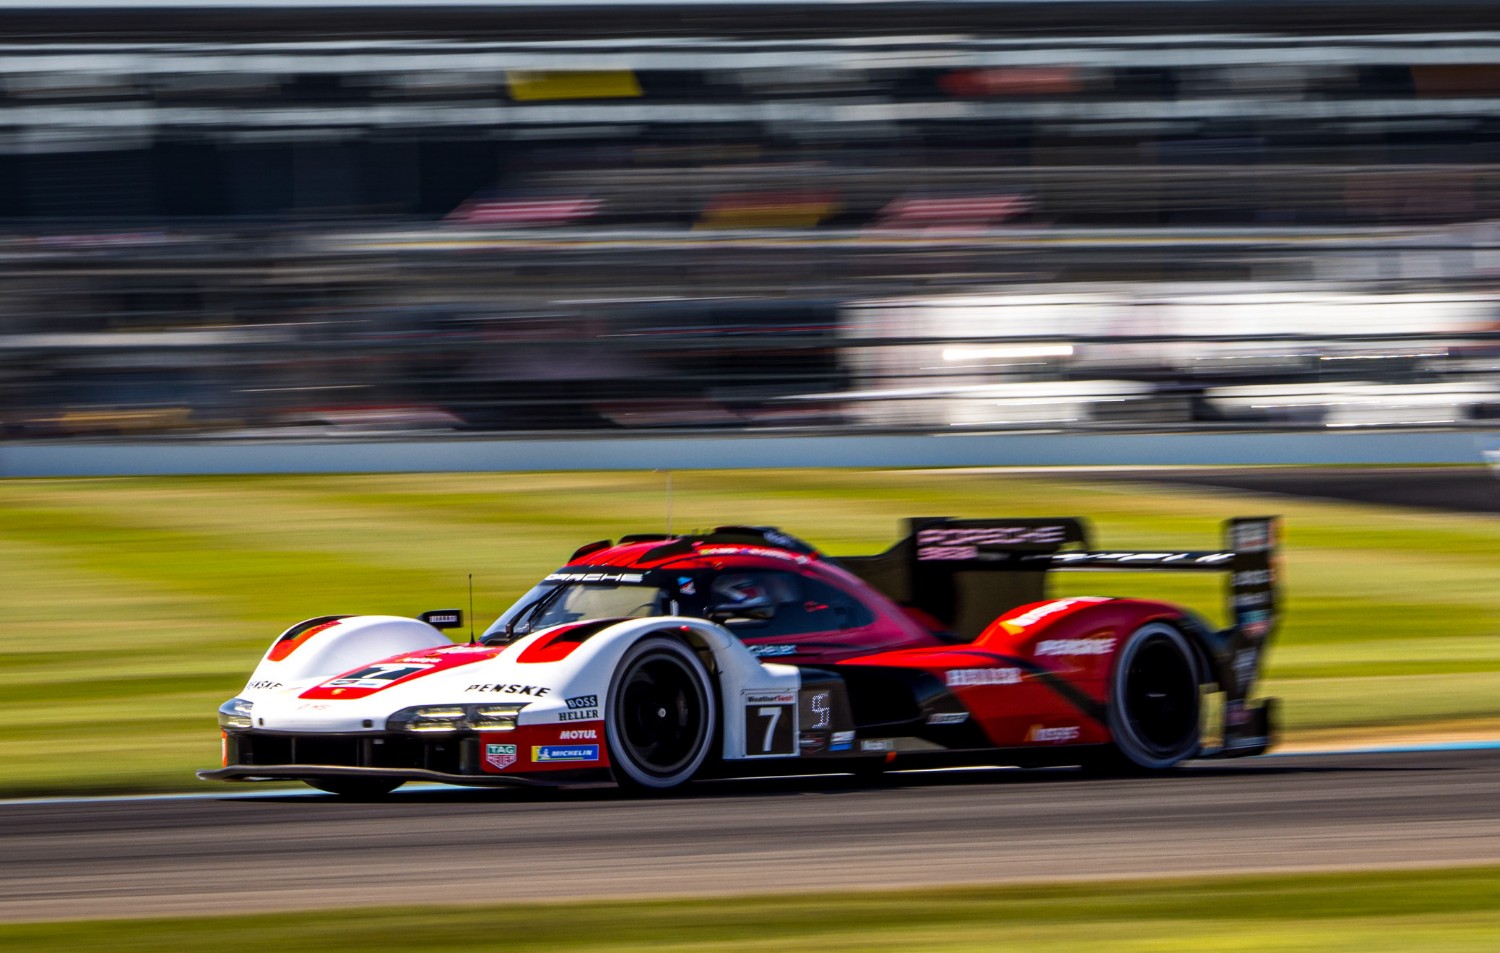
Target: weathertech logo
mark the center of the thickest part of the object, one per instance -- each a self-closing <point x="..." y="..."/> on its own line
<point x="1075" y="647"/>
<point x="965" y="677"/>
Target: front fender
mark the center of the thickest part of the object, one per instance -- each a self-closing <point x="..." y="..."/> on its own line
<point x="584" y="671"/>
<point x="319" y="649"/>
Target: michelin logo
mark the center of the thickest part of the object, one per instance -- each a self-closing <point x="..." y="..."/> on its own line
<point x="543" y="754"/>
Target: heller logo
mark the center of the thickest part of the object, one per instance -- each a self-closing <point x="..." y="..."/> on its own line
<point x="500" y="757"/>
<point x="543" y="754"/>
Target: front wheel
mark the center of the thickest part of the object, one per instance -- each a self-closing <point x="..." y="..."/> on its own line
<point x="661" y="717"/>
<point x="1155" y="700"/>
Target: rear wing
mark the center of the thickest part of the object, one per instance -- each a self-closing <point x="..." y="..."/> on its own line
<point x="965" y="573"/>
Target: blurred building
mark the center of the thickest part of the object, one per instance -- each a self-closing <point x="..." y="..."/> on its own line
<point x="504" y="215"/>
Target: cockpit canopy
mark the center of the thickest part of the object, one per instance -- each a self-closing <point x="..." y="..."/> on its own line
<point x="752" y="602"/>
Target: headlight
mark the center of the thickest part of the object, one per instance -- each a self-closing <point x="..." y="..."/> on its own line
<point x="455" y="718"/>
<point x="495" y="717"/>
<point x="235" y="713"/>
<point x="450" y="718"/>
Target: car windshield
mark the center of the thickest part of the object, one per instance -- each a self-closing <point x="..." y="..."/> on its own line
<point x="553" y="604"/>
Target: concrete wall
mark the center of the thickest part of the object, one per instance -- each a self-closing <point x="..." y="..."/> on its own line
<point x="735" y="452"/>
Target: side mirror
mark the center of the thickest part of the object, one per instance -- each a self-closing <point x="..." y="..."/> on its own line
<point x="443" y="618"/>
<point x="723" y="613"/>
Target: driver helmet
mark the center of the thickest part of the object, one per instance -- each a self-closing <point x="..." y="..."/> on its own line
<point x="742" y="591"/>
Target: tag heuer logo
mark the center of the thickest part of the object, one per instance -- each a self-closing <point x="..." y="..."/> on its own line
<point x="500" y="757"/>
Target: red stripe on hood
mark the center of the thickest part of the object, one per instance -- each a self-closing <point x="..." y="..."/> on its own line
<point x="382" y="674"/>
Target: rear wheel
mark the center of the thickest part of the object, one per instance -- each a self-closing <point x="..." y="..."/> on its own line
<point x="1155" y="700"/>
<point x="661" y="716"/>
<point x="360" y="789"/>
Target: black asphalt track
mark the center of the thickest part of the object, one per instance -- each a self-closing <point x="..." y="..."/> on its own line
<point x="233" y="853"/>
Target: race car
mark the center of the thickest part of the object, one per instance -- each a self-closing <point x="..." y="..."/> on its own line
<point x="660" y="659"/>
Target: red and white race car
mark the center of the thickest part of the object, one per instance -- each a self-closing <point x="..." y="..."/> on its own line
<point x="659" y="659"/>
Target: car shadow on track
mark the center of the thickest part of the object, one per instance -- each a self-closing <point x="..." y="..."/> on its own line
<point x="837" y="784"/>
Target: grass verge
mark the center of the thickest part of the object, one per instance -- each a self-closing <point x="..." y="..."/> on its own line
<point x="1451" y="910"/>
<point x="135" y="605"/>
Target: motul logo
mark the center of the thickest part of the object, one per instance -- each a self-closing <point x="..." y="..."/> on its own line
<point x="578" y="734"/>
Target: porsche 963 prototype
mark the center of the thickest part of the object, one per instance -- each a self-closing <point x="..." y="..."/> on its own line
<point x="659" y="659"/>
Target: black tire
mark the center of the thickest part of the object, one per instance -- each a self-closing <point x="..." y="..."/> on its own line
<point x="358" y="789"/>
<point x="661" y="717"/>
<point x="1155" y="700"/>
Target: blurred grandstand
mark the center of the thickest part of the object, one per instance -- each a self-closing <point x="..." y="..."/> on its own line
<point x="306" y="218"/>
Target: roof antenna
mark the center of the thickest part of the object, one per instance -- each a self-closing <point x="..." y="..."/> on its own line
<point x="669" y="500"/>
<point x="471" y="608"/>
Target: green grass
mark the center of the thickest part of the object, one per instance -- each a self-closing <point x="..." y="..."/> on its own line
<point x="1451" y="910"/>
<point x="133" y="606"/>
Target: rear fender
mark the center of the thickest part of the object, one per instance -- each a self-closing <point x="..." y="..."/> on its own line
<point x="1078" y="637"/>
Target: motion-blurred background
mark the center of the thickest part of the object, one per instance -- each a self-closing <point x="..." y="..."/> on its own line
<point x="379" y="218"/>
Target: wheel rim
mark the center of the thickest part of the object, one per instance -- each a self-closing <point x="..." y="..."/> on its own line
<point x="661" y="711"/>
<point x="1161" y="696"/>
